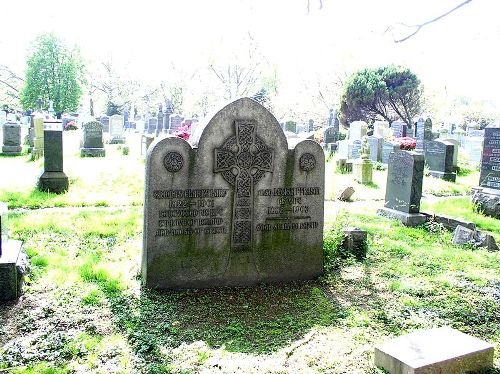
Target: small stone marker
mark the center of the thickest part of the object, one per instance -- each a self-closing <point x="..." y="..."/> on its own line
<point x="346" y="194"/>
<point x="14" y="262"/>
<point x="355" y="242"/>
<point x="404" y="188"/>
<point x="439" y="159"/>
<point x="435" y="351"/>
<point x="363" y="168"/>
<point x="93" y="145"/>
<point x="53" y="178"/>
<point x="11" y="139"/>
<point x="240" y="209"/>
<point x="116" y="123"/>
<point x="463" y="235"/>
<point x="105" y="123"/>
<point x="152" y="125"/>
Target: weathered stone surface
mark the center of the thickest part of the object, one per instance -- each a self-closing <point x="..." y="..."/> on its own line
<point x="439" y="159"/>
<point x="487" y="200"/>
<point x="37" y="151"/>
<point x="355" y="242"/>
<point x="362" y="171"/>
<point x="346" y="194"/>
<point x="380" y="128"/>
<point x="435" y="351"/>
<point x="53" y="178"/>
<point x="449" y="222"/>
<point x="93" y="144"/>
<point x="490" y="165"/>
<point x="11" y="138"/>
<point x="14" y="264"/>
<point x="238" y="210"/>
<point x="462" y="235"/>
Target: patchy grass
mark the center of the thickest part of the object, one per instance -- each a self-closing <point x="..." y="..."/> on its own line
<point x="84" y="309"/>
<point x="464" y="209"/>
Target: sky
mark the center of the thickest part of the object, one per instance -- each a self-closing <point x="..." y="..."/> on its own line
<point x="457" y="55"/>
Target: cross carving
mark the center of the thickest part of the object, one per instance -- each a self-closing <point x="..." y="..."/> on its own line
<point x="242" y="161"/>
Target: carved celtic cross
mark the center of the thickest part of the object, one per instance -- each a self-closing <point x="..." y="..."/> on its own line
<point x="242" y="161"/>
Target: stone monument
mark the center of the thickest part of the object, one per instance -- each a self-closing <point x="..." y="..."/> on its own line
<point x="363" y="168"/>
<point x="116" y="122"/>
<point x="93" y="145"/>
<point x="53" y="178"/>
<point x="404" y="188"/>
<point x="439" y="159"/>
<point x="105" y="123"/>
<point x="11" y="139"/>
<point x="240" y="209"/>
<point x="399" y="129"/>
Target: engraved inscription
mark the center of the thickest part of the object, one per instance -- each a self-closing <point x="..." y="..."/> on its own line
<point x="173" y="161"/>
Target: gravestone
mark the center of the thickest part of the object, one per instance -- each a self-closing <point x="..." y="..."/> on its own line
<point x="473" y="146"/>
<point x="152" y="124"/>
<point x="376" y="143"/>
<point x="240" y="209"/>
<point x="175" y="122"/>
<point x="93" y="145"/>
<point x="3" y="117"/>
<point x="387" y="148"/>
<point x="116" y="129"/>
<point x="330" y="135"/>
<point x="441" y="350"/>
<point x="420" y="135"/>
<point x="357" y="130"/>
<point x="14" y="262"/>
<point x="475" y="133"/>
<point x="363" y="168"/>
<point x="380" y="128"/>
<point x="456" y="146"/>
<point x="345" y="149"/>
<point x="105" y="123"/>
<point x="487" y="195"/>
<point x="399" y="129"/>
<point x="310" y="125"/>
<point x="166" y="119"/>
<point x="291" y="126"/>
<point x="139" y="126"/>
<point x="404" y="188"/>
<point x="439" y="159"/>
<point x="53" y="178"/>
<point x="356" y="149"/>
<point x="11" y="139"/>
<point x="11" y="117"/>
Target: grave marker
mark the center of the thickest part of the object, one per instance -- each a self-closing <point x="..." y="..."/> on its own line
<point x="439" y="159"/>
<point x="53" y="178"/>
<point x="116" y="129"/>
<point x="11" y="139"/>
<point x="399" y="129"/>
<point x="93" y="144"/>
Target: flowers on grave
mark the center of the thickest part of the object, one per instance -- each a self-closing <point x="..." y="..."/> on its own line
<point x="406" y="143"/>
<point x="71" y="125"/>
<point x="183" y="132"/>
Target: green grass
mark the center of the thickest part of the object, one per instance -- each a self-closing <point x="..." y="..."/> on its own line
<point x="84" y="306"/>
<point x="462" y="208"/>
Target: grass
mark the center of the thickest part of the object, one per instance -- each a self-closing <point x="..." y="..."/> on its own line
<point x="84" y="308"/>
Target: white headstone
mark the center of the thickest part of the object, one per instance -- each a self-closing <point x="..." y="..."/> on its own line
<point x="357" y="130"/>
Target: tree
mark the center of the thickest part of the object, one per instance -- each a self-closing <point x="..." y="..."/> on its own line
<point x="390" y="92"/>
<point x="54" y="72"/>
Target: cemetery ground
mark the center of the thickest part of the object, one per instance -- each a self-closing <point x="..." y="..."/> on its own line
<point x="84" y="310"/>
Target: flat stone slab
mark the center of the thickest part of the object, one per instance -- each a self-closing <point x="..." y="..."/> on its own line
<point x="439" y="350"/>
<point x="408" y="219"/>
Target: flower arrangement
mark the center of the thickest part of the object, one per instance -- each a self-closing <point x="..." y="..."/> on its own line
<point x="71" y="125"/>
<point x="406" y="143"/>
<point x="183" y="132"/>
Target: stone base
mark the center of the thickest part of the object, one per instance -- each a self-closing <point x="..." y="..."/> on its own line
<point x="355" y="242"/>
<point x="53" y="181"/>
<point x="487" y="200"/>
<point x="408" y="219"/>
<point x="363" y="171"/>
<point x="13" y="150"/>
<point x="117" y="141"/>
<point x="14" y="265"/>
<point x="439" y="350"/>
<point x="450" y="177"/>
<point x="92" y="152"/>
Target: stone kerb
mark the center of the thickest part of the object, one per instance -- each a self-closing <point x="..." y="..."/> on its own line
<point x="239" y="209"/>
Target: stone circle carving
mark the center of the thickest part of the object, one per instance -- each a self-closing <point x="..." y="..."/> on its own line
<point x="173" y="161"/>
<point x="307" y="162"/>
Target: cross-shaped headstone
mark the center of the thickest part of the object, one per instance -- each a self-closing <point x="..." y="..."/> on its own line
<point x="242" y="161"/>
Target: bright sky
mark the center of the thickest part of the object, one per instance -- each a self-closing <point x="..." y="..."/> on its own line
<point x="460" y="52"/>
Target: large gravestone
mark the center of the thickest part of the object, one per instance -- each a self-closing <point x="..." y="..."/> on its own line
<point x="487" y="195"/>
<point x="116" y="123"/>
<point x="387" y="148"/>
<point x="376" y="143"/>
<point x="404" y="188"/>
<point x="105" y="123"/>
<point x="399" y="129"/>
<point x="93" y="145"/>
<point x="439" y="159"/>
<point x="53" y="178"/>
<point x="11" y="139"/>
<point x="239" y="209"/>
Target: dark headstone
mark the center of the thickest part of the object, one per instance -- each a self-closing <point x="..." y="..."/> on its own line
<point x="11" y="139"/>
<point x="439" y="159"/>
<point x="399" y="129"/>
<point x="310" y="125"/>
<point x="53" y="178"/>
<point x="355" y="242"/>
<point x="239" y="209"/>
<point x="490" y="165"/>
<point x="356" y="149"/>
<point x="387" y="148"/>
<point x="93" y="144"/>
<point x="404" y="188"/>
<point x="105" y="123"/>
<point x="330" y="136"/>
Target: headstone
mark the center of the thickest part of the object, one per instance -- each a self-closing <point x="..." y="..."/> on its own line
<point x="3" y="117"/>
<point x="14" y="262"/>
<point x="345" y="149"/>
<point x="387" y="148"/>
<point x="239" y="209"/>
<point x="490" y="165"/>
<point x="93" y="145"/>
<point x="439" y="159"/>
<point x="330" y="135"/>
<point x="175" y="122"/>
<point x="152" y="124"/>
<point x="291" y="126"/>
<point x="11" y="139"/>
<point x="436" y="351"/>
<point x="166" y="119"/>
<point x="462" y="235"/>
<point x="139" y="126"/>
<point x="420" y="135"/>
<point x="363" y="168"/>
<point x="116" y="129"/>
<point x="105" y="123"/>
<point x="346" y="194"/>
<point x="355" y="242"/>
<point x="356" y="149"/>
<point x="310" y="125"/>
<point x="357" y="130"/>
<point x="456" y="146"/>
<point x="399" y="129"/>
<point x="380" y="128"/>
<point x="473" y="146"/>
<point x="475" y="133"/>
<point x="53" y="178"/>
<point x="376" y="143"/>
<point x="404" y="188"/>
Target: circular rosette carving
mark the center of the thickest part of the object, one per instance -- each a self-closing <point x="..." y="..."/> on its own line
<point x="173" y="161"/>
<point x="307" y="162"/>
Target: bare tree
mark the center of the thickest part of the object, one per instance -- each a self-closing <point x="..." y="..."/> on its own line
<point x="10" y="86"/>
